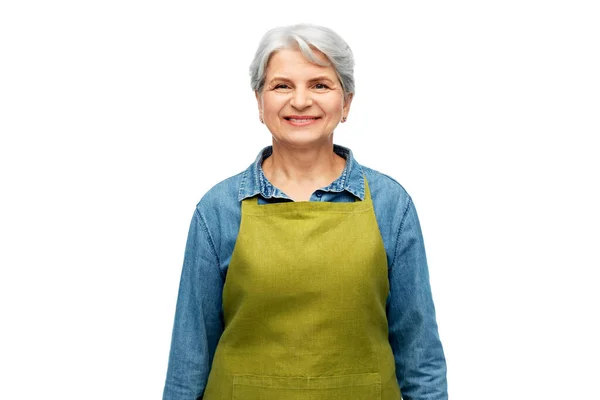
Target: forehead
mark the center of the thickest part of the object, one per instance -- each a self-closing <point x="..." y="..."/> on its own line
<point x="292" y="63"/>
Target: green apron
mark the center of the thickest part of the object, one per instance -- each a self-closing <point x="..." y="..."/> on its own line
<point x="304" y="306"/>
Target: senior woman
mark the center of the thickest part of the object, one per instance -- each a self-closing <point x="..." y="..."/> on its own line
<point x="305" y="275"/>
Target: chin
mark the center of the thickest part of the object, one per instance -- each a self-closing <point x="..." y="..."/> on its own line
<point x="303" y="140"/>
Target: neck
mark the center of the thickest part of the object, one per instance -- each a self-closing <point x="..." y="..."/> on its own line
<point x="311" y="166"/>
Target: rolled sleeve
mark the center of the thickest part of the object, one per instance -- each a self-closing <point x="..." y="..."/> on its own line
<point x="198" y="320"/>
<point x="413" y="331"/>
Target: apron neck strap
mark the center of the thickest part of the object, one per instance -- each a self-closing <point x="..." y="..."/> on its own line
<point x="367" y="190"/>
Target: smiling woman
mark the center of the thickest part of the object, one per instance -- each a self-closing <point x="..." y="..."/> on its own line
<point x="301" y="104"/>
<point x="305" y="275"/>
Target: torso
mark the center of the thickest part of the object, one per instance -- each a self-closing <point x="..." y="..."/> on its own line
<point x="304" y="306"/>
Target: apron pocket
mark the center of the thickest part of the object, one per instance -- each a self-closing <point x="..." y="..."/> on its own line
<point x="344" y="387"/>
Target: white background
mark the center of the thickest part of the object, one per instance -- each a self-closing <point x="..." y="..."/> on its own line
<point x="117" y="116"/>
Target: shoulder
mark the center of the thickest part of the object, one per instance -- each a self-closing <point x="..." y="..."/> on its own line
<point x="220" y="212"/>
<point x="391" y="203"/>
<point x="228" y="187"/>
<point x="385" y="190"/>
<point x="222" y="195"/>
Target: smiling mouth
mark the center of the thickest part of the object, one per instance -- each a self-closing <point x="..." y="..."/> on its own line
<point x="300" y="120"/>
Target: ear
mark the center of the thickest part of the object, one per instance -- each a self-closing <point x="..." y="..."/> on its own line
<point x="347" y="102"/>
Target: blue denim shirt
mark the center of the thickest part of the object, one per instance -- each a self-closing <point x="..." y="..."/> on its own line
<point x="413" y="333"/>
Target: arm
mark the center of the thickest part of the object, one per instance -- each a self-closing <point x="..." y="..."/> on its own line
<point x="198" y="324"/>
<point x="413" y="333"/>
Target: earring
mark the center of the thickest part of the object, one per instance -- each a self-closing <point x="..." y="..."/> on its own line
<point x="261" y="119"/>
<point x="343" y="119"/>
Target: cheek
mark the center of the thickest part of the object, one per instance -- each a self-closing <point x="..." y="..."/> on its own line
<point x="272" y="105"/>
<point x="336" y="106"/>
<point x="336" y="103"/>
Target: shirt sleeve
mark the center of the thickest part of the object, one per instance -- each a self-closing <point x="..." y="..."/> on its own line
<point x="198" y="318"/>
<point x="413" y="331"/>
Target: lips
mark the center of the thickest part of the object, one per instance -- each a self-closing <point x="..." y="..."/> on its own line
<point x="300" y="118"/>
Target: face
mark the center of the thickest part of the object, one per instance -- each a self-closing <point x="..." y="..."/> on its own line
<point x="301" y="102"/>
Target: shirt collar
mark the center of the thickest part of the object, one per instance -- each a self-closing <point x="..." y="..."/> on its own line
<point x="254" y="181"/>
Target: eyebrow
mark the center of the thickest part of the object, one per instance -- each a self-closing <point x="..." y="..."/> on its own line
<point x="318" y="78"/>
<point x="321" y="78"/>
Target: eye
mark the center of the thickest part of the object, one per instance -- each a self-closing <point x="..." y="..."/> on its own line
<point x="321" y="86"/>
<point x="281" y="86"/>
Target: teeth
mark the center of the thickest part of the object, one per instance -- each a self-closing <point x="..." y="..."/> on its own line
<point x="301" y="120"/>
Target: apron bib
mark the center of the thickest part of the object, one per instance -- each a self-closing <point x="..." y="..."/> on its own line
<point x="304" y="306"/>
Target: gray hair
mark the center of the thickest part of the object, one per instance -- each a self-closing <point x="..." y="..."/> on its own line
<point x="305" y="37"/>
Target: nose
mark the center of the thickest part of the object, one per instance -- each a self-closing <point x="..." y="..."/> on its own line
<point x="301" y="99"/>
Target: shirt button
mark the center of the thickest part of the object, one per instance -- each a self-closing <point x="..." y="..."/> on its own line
<point x="318" y="194"/>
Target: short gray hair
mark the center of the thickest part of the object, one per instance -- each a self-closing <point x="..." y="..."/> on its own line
<point x="304" y="36"/>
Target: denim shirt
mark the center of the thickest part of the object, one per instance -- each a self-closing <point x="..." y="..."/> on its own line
<point x="413" y="333"/>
